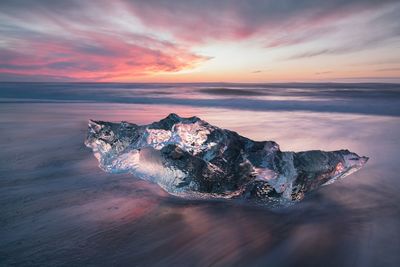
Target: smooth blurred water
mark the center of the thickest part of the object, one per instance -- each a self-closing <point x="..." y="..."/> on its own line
<point x="57" y="208"/>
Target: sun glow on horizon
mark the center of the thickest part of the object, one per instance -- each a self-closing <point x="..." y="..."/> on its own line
<point x="199" y="41"/>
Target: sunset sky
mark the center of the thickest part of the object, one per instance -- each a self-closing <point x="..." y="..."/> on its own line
<point x="200" y="40"/>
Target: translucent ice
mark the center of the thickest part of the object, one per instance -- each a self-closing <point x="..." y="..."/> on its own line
<point x="190" y="158"/>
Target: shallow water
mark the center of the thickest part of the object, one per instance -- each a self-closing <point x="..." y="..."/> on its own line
<point x="59" y="209"/>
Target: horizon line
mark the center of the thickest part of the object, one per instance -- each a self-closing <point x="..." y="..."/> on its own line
<point x="272" y="83"/>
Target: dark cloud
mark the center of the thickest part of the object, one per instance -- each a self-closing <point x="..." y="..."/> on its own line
<point x="196" y="20"/>
<point x="376" y="32"/>
<point x="201" y="20"/>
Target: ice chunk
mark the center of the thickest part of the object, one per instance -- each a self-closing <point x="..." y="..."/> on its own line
<point x="190" y="158"/>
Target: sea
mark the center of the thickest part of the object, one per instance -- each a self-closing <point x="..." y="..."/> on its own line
<point x="58" y="208"/>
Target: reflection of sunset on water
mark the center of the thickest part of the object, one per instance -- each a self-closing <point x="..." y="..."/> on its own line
<point x="60" y="205"/>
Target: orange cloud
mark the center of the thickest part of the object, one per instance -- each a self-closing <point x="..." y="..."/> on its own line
<point x="152" y="40"/>
<point x="95" y="56"/>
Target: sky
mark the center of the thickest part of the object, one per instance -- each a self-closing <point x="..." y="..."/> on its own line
<point x="200" y="40"/>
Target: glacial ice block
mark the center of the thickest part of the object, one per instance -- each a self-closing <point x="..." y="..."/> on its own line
<point x="191" y="158"/>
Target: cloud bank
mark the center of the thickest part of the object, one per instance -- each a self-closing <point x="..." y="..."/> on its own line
<point x="120" y="40"/>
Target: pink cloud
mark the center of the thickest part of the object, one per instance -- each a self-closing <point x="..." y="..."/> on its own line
<point x="97" y="57"/>
<point x="201" y="21"/>
<point x="116" y="40"/>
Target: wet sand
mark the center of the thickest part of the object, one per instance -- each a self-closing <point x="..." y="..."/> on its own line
<point x="59" y="209"/>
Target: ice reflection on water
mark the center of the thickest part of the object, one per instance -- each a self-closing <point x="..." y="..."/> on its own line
<point x="59" y="209"/>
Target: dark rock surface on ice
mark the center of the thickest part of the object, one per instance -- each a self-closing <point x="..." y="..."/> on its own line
<point x="190" y="158"/>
